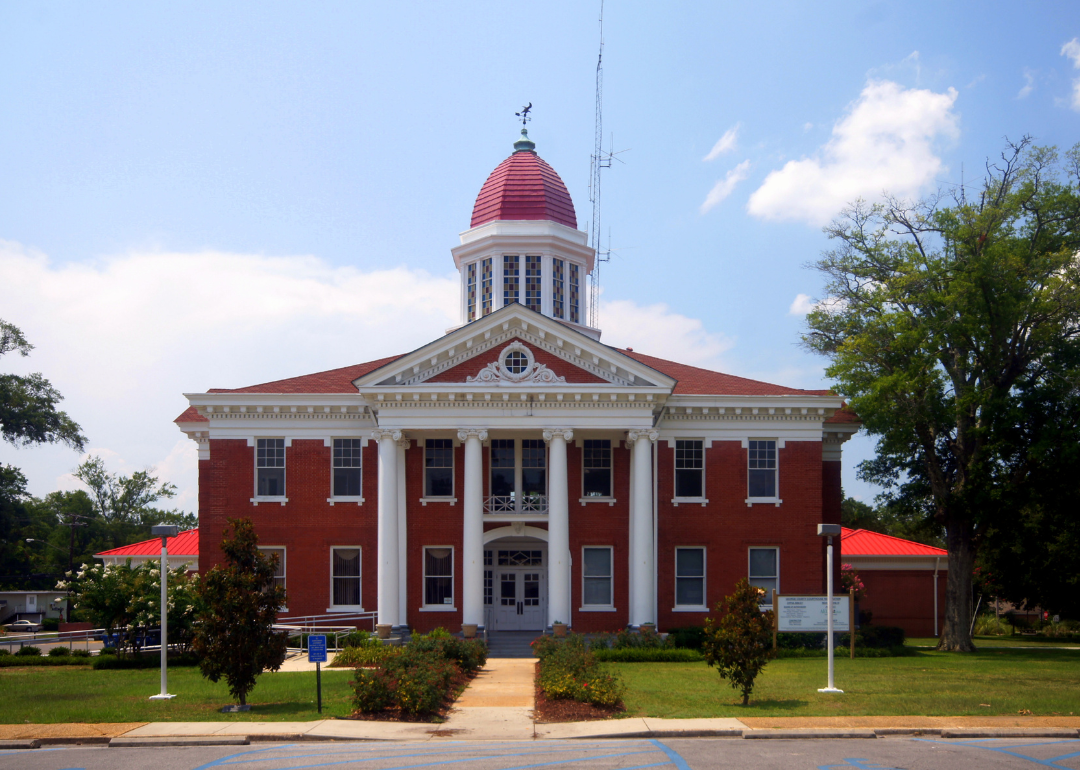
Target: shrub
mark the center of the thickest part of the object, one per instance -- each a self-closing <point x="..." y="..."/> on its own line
<point x="357" y="639"/>
<point x="469" y="655"/>
<point x="80" y="653"/>
<point x="4" y="651"/>
<point x="372" y="692"/>
<point x="50" y="624"/>
<point x="29" y="651"/>
<point x="568" y="669"/>
<point x="689" y="637"/>
<point x="422" y="683"/>
<point x="602" y="641"/>
<point x="115" y="662"/>
<point x="880" y="636"/>
<point x="59" y="652"/>
<point x="437" y="633"/>
<point x="367" y="655"/>
<point x="741" y="643"/>
<point x="800" y="641"/>
<point x="645" y="638"/>
<point x="646" y="655"/>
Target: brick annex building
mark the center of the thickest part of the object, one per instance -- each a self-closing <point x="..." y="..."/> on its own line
<point x="518" y="472"/>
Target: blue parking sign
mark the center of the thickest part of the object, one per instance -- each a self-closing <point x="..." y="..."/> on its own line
<point x="316" y="648"/>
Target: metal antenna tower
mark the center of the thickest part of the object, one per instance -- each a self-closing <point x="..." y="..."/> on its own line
<point x="598" y="162"/>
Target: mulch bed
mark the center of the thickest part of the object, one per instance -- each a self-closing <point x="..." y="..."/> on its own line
<point x="566" y="710"/>
<point x="395" y="714"/>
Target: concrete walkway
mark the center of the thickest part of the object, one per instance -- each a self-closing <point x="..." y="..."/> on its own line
<point x="497" y="704"/>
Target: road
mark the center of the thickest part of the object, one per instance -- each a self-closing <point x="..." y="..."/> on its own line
<point x="901" y="753"/>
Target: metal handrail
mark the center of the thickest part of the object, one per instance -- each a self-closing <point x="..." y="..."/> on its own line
<point x="513" y="504"/>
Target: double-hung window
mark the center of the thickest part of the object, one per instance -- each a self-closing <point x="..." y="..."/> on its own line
<point x="596" y="577"/>
<point x="347" y="467"/>
<point x="270" y="467"/>
<point x="690" y="577"/>
<point x="765" y="572"/>
<point x="596" y="468"/>
<point x="345" y="577"/>
<point x="279" y="573"/>
<point x="761" y="471"/>
<point x="689" y="468"/>
<point x="438" y="467"/>
<point x="439" y="577"/>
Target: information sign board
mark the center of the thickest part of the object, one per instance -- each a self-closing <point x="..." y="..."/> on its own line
<point x="807" y="613"/>
<point x="316" y="651"/>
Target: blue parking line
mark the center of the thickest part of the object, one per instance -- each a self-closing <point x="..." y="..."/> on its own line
<point x="672" y="755"/>
<point x="975" y="744"/>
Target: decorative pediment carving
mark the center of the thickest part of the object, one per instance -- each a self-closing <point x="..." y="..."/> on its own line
<point x="516" y="365"/>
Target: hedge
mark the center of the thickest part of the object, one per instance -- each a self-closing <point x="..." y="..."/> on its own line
<point x="112" y="662"/>
<point x="18" y="661"/>
<point x="648" y="655"/>
<point x="845" y="652"/>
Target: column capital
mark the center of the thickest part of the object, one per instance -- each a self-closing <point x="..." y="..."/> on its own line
<point x="651" y="435"/>
<point x="380" y="434"/>
<point x="564" y="433"/>
<point x="467" y="433"/>
<point x="404" y="443"/>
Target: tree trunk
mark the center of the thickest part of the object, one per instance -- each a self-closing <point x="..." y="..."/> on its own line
<point x="956" y="634"/>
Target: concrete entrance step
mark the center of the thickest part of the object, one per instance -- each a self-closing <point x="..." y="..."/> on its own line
<point x="511" y="644"/>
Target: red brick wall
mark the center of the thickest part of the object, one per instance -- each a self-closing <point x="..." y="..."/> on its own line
<point x="904" y="598"/>
<point x="562" y="368"/>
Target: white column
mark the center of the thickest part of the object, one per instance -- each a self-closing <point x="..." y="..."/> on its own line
<point x="388" y="527"/>
<point x="402" y="537"/>
<point x="472" y="578"/>
<point x="558" y="527"/>
<point x="641" y="529"/>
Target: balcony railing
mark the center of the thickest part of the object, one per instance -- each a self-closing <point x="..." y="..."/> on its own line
<point x="513" y="505"/>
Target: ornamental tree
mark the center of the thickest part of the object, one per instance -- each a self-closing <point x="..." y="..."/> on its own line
<point x="952" y="329"/>
<point x="239" y="601"/>
<point x="740" y="644"/>
<point x="849" y="579"/>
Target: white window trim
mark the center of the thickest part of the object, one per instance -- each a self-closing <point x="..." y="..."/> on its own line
<point x="610" y="606"/>
<point x="703" y="500"/>
<point x="425" y="607"/>
<point x="284" y="565"/>
<point x="358" y="499"/>
<point x="450" y="498"/>
<point x="257" y="498"/>
<point x="610" y="499"/>
<point x="768" y="605"/>
<point x="345" y="607"/>
<point x="704" y="580"/>
<point x="775" y="500"/>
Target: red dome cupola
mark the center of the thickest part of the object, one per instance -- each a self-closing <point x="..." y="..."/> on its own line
<point x="524" y="187"/>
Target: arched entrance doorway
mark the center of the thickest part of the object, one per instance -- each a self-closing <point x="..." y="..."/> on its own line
<point x="515" y="579"/>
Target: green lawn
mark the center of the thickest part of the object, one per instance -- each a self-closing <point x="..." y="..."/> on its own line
<point x="47" y="695"/>
<point x="999" y="641"/>
<point x="931" y="683"/>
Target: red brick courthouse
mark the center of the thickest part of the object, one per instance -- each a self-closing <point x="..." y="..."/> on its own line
<point x="517" y="471"/>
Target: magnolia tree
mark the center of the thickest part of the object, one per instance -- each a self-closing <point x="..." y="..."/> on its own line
<point x="740" y="644"/>
<point x="126" y="600"/>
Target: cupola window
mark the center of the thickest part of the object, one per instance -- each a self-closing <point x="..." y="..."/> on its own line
<point x="575" y="293"/>
<point x="485" y="287"/>
<point x="533" y="290"/>
<point x="470" y="290"/>
<point x="511" y="286"/>
<point x="558" y="288"/>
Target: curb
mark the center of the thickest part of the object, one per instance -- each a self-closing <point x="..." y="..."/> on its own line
<point x="63" y="740"/>
<point x="1010" y="732"/>
<point x="205" y="740"/>
<point x="19" y="744"/>
<point x="855" y="732"/>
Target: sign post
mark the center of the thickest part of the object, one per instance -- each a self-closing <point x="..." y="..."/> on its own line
<point x="164" y="531"/>
<point x="317" y="654"/>
<point x="829" y="531"/>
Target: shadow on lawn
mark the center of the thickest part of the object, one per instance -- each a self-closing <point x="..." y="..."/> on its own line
<point x="779" y="705"/>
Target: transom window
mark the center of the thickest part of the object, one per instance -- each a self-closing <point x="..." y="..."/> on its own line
<point x="439" y="577"/>
<point x="690" y="577"/>
<point x="761" y="477"/>
<point x="345" y="577"/>
<point x="689" y="468"/>
<point x="347" y="467"/>
<point x="596" y="577"/>
<point x="521" y="558"/>
<point x="270" y="467"/>
<point x="438" y="467"/>
<point x="596" y="468"/>
<point x="765" y="572"/>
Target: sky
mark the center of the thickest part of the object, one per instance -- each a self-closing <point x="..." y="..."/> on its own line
<point x="198" y="194"/>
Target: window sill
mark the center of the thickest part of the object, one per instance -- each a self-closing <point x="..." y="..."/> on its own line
<point x="597" y="609"/>
<point x="346" y="499"/>
<point x="702" y="501"/>
<point x="438" y="608"/>
<point x="426" y="500"/>
<point x="608" y="500"/>
<point x="763" y="501"/>
<point x="690" y="609"/>
<point x="275" y="499"/>
<point x="345" y="608"/>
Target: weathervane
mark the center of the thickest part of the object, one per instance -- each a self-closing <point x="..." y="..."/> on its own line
<point x="524" y="114"/>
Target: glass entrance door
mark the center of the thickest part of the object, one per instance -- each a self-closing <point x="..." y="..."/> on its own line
<point x="519" y="602"/>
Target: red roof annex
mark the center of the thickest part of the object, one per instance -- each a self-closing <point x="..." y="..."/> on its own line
<point x="863" y="542"/>
<point x="184" y="544"/>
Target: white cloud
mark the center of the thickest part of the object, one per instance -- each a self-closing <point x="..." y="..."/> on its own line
<point x="1072" y="51"/>
<point x="656" y="331"/>
<point x="802" y="305"/>
<point x="885" y="142"/>
<point x="1029" y="84"/>
<point x="723" y="188"/>
<point x="808" y="126"/>
<point x="726" y="143"/>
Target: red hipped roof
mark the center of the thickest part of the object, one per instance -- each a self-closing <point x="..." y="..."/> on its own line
<point x="863" y="542"/>
<point x="524" y="186"/>
<point x="184" y="544"/>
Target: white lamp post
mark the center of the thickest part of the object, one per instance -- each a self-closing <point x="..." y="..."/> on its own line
<point x="829" y="531"/>
<point x="165" y="531"/>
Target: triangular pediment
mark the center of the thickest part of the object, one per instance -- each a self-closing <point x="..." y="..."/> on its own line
<point x="546" y="354"/>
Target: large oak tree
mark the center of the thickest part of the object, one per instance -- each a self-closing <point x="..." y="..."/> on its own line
<point x="941" y="319"/>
